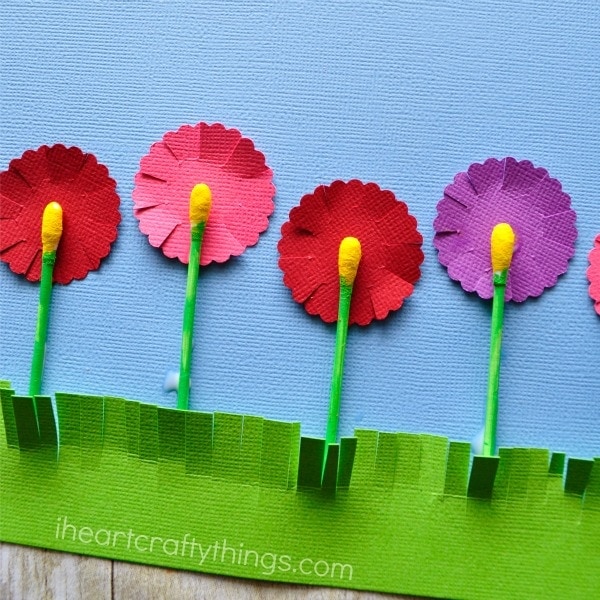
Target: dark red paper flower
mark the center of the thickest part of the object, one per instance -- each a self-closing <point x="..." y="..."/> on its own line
<point x="90" y="206"/>
<point x="593" y="274"/>
<point x="391" y="250"/>
<point x="240" y="181"/>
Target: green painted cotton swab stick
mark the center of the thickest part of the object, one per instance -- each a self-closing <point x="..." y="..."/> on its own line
<point x="502" y="244"/>
<point x="51" y="234"/>
<point x="200" y="203"/>
<point x="348" y="260"/>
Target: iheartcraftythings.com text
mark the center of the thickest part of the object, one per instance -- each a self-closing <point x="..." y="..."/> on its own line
<point x="218" y="551"/>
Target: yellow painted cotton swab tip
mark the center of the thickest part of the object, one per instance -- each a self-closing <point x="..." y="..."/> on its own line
<point x="502" y="243"/>
<point x="52" y="227"/>
<point x="348" y="259"/>
<point x="200" y="203"/>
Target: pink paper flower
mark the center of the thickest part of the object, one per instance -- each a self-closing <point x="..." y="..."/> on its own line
<point x="593" y="274"/>
<point x="240" y="181"/>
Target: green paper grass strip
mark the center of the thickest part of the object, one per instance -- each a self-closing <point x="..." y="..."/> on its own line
<point x="200" y="203"/>
<point x="578" y="475"/>
<point x="406" y="504"/>
<point x="557" y="463"/>
<point x="502" y="245"/>
<point x="483" y="475"/>
<point x="252" y="450"/>
<point x="328" y="468"/>
<point x="29" y="422"/>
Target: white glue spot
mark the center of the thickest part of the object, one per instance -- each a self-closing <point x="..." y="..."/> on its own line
<point x="171" y="383"/>
<point x="477" y="443"/>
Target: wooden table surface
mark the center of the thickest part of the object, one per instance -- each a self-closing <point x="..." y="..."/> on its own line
<point x="34" y="574"/>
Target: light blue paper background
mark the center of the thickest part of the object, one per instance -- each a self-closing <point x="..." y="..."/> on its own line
<point x="402" y="93"/>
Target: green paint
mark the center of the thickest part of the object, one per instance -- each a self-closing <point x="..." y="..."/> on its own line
<point x="41" y="330"/>
<point x="491" y="410"/>
<point x="335" y="397"/>
<point x="189" y="312"/>
<point x="406" y="506"/>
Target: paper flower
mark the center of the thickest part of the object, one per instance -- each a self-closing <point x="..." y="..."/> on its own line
<point x="593" y="274"/>
<point x="391" y="250"/>
<point x="90" y="206"/>
<point x="505" y="191"/>
<point x="236" y="173"/>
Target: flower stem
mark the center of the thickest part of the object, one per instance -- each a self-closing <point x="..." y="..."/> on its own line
<point x="491" y="412"/>
<point x="41" y="330"/>
<point x="338" y="364"/>
<point x="183" y="390"/>
<point x="52" y="228"/>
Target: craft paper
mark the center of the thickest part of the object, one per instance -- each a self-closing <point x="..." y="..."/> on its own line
<point x="90" y="206"/>
<point x="593" y="274"/>
<point x="513" y="192"/>
<point x="219" y="493"/>
<point x="391" y="250"/>
<point x="240" y="181"/>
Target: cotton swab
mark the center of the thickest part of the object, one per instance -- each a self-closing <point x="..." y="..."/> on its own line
<point x="348" y="260"/>
<point x="502" y="243"/>
<point x="52" y="228"/>
<point x="200" y="204"/>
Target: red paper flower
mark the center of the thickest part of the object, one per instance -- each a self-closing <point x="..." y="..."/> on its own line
<point x="240" y="181"/>
<point x="90" y="206"/>
<point x="593" y="274"/>
<point x="391" y="250"/>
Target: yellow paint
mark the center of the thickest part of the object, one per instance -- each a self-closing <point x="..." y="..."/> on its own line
<point x="348" y="259"/>
<point x="51" y="227"/>
<point x="502" y="245"/>
<point x="200" y="203"/>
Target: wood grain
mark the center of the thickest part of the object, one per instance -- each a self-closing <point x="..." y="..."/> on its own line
<point x="35" y="574"/>
<point x="32" y="574"/>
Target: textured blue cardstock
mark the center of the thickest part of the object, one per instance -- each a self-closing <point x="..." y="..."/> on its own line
<point x="403" y="94"/>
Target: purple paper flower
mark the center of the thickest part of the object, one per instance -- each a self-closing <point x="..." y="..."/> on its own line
<point x="513" y="192"/>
